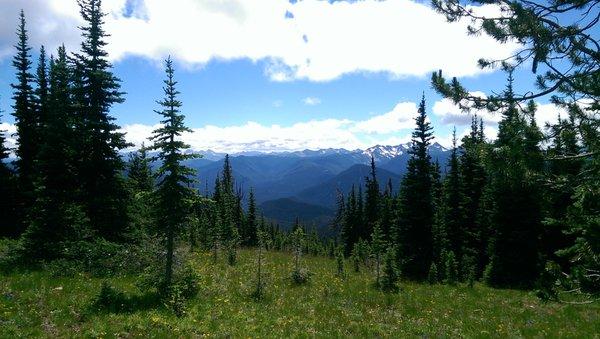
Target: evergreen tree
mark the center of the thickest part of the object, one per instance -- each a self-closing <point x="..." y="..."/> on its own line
<point x="516" y="199"/>
<point x="139" y="172"/>
<point x="299" y="274"/>
<point x="432" y="276"/>
<point x="339" y="260"/>
<point x="140" y="180"/>
<point x="349" y="233"/>
<point x="388" y="211"/>
<point x="372" y="201"/>
<point x="337" y="224"/>
<point x="40" y="98"/>
<point x="453" y="218"/>
<point x="389" y="281"/>
<point x="26" y="119"/>
<point x="56" y="215"/>
<point x="378" y="247"/>
<point x="172" y="188"/>
<point x="473" y="179"/>
<point x="262" y="245"/>
<point x="450" y="268"/>
<point x="96" y="91"/>
<point x="438" y="230"/>
<point x="251" y="225"/>
<point x="416" y="213"/>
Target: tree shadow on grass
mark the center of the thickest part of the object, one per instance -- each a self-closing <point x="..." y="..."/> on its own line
<point x="110" y="300"/>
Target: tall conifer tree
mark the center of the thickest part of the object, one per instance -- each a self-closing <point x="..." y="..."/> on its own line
<point x="56" y="214"/>
<point x="97" y="90"/>
<point x="416" y="214"/>
<point x="139" y="171"/>
<point x="516" y="199"/>
<point x="26" y="119"/>
<point x="173" y="190"/>
<point x="372" y="202"/>
<point x="251" y="222"/>
<point x="473" y="180"/>
<point x="454" y="220"/>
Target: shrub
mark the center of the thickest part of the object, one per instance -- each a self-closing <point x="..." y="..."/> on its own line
<point x="339" y="260"/>
<point x="355" y="258"/>
<point x="10" y="255"/>
<point x="432" y="277"/>
<point x="300" y="276"/>
<point x="389" y="281"/>
<point x="450" y="268"/>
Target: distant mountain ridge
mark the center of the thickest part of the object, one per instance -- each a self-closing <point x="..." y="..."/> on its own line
<point x="286" y="182"/>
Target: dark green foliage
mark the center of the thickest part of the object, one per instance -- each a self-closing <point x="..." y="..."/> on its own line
<point x="450" y="268"/>
<point x="583" y="220"/>
<point x="228" y="207"/>
<point x="372" y="203"/>
<point x="432" y="276"/>
<point x="355" y="258"/>
<point x="173" y="192"/>
<point x="250" y="224"/>
<point x="9" y="223"/>
<point x="140" y="180"/>
<point x="352" y="225"/>
<point x="556" y="38"/>
<point x="139" y="172"/>
<point x="26" y="118"/>
<point x="389" y="281"/>
<point x="547" y="287"/>
<point x="56" y="214"/>
<point x="515" y="165"/>
<point x="453" y="216"/>
<point x="96" y="90"/>
<point x="231" y="253"/>
<point x="438" y="230"/>
<point x="339" y="261"/>
<point x="417" y="211"/>
<point x="473" y="180"/>
<point x="378" y="248"/>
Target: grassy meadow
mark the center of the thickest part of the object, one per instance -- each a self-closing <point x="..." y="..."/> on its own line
<point x="37" y="304"/>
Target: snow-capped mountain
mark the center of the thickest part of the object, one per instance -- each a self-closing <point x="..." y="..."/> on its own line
<point x="382" y="153"/>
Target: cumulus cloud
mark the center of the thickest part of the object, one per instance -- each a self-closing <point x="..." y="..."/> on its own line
<point x="401" y="117"/>
<point x="450" y="114"/>
<point x="313" y="134"/>
<point x="311" y="101"/>
<point x="310" y="39"/>
<point x="390" y="128"/>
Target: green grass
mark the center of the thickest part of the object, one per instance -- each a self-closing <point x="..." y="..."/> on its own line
<point x="35" y="304"/>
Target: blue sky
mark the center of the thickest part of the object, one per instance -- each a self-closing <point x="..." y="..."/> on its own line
<point x="248" y="87"/>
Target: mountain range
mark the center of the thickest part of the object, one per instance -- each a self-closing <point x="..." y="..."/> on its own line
<point x="304" y="184"/>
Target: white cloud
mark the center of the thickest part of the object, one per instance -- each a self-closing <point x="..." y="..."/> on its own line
<point x="401" y="117"/>
<point x="8" y="130"/>
<point x="390" y="128"/>
<point x="311" y="101"/>
<point x="322" y="41"/>
<point x="450" y="114"/>
<point x="313" y="134"/>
